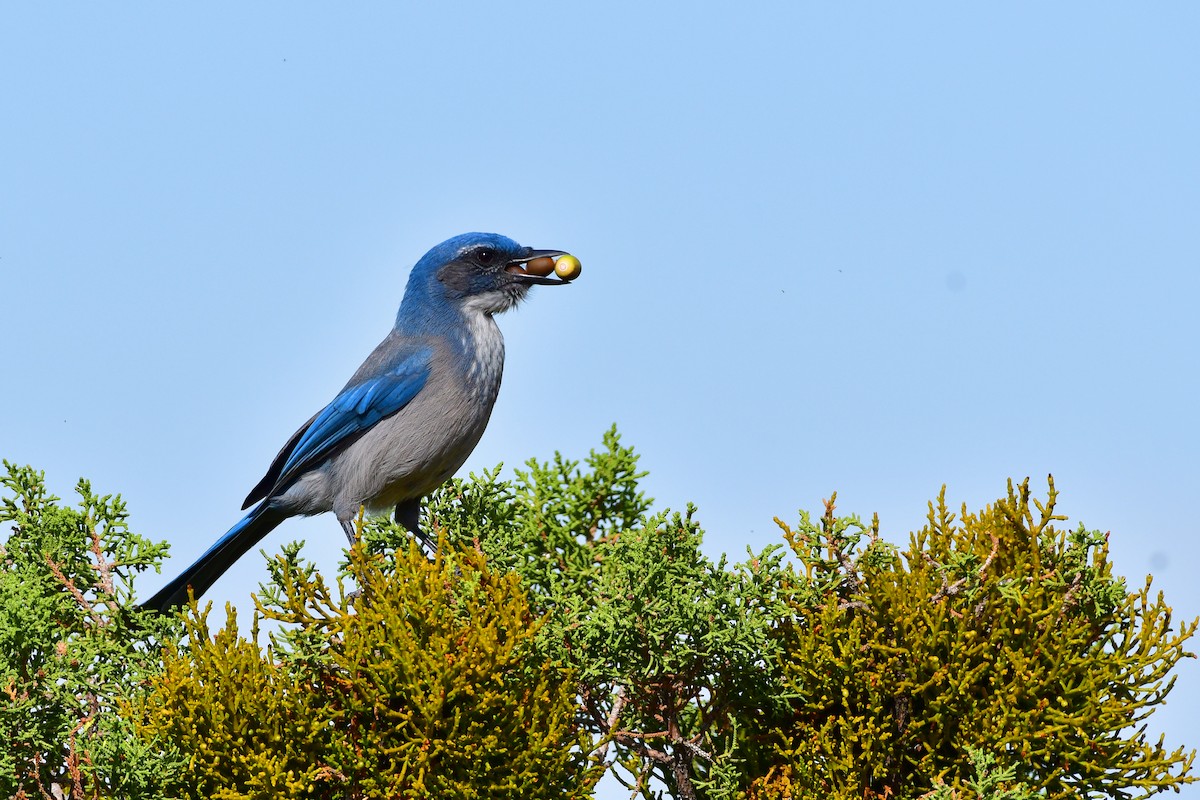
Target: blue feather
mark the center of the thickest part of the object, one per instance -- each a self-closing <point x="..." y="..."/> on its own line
<point x="355" y="410"/>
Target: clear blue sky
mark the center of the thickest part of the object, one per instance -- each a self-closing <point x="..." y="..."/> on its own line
<point x="825" y="247"/>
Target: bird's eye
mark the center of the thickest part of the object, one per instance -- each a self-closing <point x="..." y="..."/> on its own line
<point x="485" y="255"/>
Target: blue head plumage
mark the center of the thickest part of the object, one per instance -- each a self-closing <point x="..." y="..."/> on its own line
<point x="474" y="268"/>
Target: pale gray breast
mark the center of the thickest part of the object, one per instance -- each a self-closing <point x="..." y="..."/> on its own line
<point x="417" y="449"/>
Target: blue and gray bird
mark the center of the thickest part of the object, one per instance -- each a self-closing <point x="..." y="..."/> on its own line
<point x="409" y="416"/>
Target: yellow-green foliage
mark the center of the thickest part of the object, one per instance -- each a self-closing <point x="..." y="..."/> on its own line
<point x="999" y="632"/>
<point x="420" y="684"/>
<point x="250" y="729"/>
<point x="432" y="692"/>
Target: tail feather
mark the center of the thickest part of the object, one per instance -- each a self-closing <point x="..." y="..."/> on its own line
<point x="203" y="573"/>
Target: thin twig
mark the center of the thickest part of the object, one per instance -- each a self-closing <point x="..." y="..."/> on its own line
<point x="601" y="753"/>
<point x="74" y="590"/>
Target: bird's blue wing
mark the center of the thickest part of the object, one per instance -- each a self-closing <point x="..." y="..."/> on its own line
<point x="355" y="410"/>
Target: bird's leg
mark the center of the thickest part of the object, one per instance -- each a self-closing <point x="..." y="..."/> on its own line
<point x="348" y="528"/>
<point x="408" y="514"/>
<point x="351" y="527"/>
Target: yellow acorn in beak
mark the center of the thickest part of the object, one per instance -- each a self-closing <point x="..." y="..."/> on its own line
<point x="568" y="267"/>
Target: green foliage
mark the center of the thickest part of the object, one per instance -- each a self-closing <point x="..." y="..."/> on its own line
<point x="669" y="647"/>
<point x="987" y="782"/>
<point x="72" y="649"/>
<point x="422" y="683"/>
<point x="547" y="523"/>
<point x="999" y="632"/>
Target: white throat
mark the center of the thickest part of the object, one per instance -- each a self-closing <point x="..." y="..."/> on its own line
<point x="484" y="345"/>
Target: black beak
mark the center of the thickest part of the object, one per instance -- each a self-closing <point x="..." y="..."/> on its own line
<point x="529" y="254"/>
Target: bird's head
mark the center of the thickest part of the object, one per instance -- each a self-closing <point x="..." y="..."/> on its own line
<point x="479" y="271"/>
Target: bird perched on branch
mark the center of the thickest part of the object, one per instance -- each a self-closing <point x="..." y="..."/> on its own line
<point x="407" y="419"/>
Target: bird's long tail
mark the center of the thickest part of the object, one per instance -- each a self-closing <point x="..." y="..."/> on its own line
<point x="204" y="572"/>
